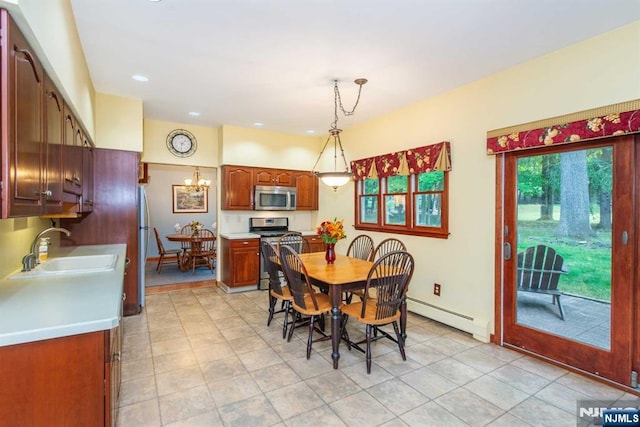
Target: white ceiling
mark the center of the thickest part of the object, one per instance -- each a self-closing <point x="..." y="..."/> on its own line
<point x="274" y="61"/>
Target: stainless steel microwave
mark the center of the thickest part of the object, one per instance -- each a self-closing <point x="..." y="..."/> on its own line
<point x="274" y="198"/>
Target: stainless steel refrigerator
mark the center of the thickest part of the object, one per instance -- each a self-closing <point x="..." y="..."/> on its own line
<point x="143" y="240"/>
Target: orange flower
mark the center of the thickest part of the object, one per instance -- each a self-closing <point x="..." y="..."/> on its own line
<point x="331" y="231"/>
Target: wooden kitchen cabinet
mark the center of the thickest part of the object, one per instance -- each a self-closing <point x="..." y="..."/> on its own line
<point x="72" y="164"/>
<point x="315" y="243"/>
<point x="68" y="381"/>
<point x="266" y="176"/>
<point x="53" y="128"/>
<point x="241" y="262"/>
<point x="237" y="188"/>
<point x="306" y="184"/>
<point x="238" y="182"/>
<point x="22" y="132"/>
<point x="86" y="204"/>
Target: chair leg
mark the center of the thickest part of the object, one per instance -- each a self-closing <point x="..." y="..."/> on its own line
<point x="400" y="340"/>
<point x="272" y="303"/>
<point x="285" y="324"/>
<point x="159" y="266"/>
<point x="310" y="338"/>
<point x="296" y="316"/>
<point x="368" y="352"/>
<point x="557" y="298"/>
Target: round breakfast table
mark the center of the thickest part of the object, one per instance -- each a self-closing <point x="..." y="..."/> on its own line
<point x="194" y="239"/>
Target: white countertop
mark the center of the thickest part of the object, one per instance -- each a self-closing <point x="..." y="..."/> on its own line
<point x="42" y="308"/>
<point x="239" y="236"/>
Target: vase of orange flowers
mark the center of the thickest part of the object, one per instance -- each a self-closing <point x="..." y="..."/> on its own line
<point x="331" y="232"/>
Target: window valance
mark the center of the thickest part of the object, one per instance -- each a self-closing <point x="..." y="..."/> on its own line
<point x="612" y="120"/>
<point x="435" y="157"/>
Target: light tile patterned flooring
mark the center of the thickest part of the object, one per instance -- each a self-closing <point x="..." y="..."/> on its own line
<point x="201" y="357"/>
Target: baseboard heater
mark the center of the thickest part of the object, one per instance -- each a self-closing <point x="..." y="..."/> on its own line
<point x="478" y="328"/>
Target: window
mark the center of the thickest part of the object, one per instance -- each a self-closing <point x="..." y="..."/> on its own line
<point x="405" y="204"/>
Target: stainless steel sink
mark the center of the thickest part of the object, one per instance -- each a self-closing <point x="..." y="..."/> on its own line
<point x="70" y="265"/>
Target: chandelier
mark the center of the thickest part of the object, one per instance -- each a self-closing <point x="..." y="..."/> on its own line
<point x="336" y="178"/>
<point x="197" y="183"/>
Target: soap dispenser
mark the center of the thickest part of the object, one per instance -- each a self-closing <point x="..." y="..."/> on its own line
<point x="43" y="249"/>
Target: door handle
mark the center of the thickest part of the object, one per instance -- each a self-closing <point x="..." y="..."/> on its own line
<point x="506" y="249"/>
<point x="625" y="237"/>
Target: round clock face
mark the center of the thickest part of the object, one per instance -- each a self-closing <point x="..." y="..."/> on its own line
<point x="181" y="143"/>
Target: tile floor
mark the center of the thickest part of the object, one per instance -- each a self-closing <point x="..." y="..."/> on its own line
<point x="201" y="357"/>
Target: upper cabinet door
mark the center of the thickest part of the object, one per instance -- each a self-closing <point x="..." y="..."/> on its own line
<point x="72" y="160"/>
<point x="237" y="188"/>
<point x="306" y="184"/>
<point x="53" y="127"/>
<point x="25" y="86"/>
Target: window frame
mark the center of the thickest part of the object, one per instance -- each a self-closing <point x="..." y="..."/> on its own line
<point x="411" y="228"/>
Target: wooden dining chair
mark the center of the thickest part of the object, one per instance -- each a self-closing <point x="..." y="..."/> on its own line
<point x="295" y="240"/>
<point x="386" y="246"/>
<point x="202" y="251"/>
<point x="306" y="301"/>
<point x="390" y="276"/>
<point x="361" y="247"/>
<point x="166" y="255"/>
<point x="277" y="292"/>
<point x="188" y="230"/>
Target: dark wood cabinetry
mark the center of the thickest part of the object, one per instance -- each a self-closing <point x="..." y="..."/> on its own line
<point x="115" y="218"/>
<point x="265" y="176"/>
<point x="61" y="381"/>
<point x="41" y="167"/>
<point x="241" y="262"/>
<point x="315" y="243"/>
<point x="238" y="182"/>
<point x="86" y="204"/>
<point x="237" y="188"/>
<point x="53" y="131"/>
<point x="23" y="145"/>
<point x="306" y="184"/>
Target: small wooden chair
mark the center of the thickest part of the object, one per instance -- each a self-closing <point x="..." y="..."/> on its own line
<point x="166" y="255"/>
<point x="361" y="247"/>
<point x="277" y="292"/>
<point x="295" y="240"/>
<point x="538" y="270"/>
<point x="306" y="301"/>
<point x="390" y="276"/>
<point x="202" y="252"/>
<point x="386" y="246"/>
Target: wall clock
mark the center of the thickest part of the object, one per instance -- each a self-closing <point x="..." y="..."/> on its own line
<point x="181" y="143"/>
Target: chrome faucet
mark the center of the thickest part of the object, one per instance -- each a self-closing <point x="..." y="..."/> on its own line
<point x="30" y="260"/>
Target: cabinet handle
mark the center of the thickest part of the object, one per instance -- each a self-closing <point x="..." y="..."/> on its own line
<point x="47" y="193"/>
<point x="76" y="179"/>
<point x="124" y="296"/>
<point x="245" y="243"/>
<point x="116" y="357"/>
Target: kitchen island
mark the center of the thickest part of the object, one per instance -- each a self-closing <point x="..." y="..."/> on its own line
<point x="60" y="342"/>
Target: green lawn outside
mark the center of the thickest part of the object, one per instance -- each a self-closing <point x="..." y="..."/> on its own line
<point x="589" y="262"/>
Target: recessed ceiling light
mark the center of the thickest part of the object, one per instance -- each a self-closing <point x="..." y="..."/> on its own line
<point x="140" y="78"/>
<point x="155" y="1"/>
<point x="311" y="131"/>
<point x="258" y="124"/>
<point x="191" y="113"/>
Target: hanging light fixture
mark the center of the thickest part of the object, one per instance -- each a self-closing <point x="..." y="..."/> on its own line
<point x="197" y="183"/>
<point x="336" y="179"/>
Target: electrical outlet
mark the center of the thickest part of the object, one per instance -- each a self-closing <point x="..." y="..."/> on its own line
<point x="436" y="289"/>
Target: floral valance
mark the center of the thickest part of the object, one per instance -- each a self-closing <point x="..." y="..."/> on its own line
<point x="598" y="123"/>
<point x="435" y="157"/>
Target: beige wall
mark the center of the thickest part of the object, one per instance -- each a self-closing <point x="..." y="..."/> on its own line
<point x="597" y="72"/>
<point x="155" y="144"/>
<point x="119" y="123"/>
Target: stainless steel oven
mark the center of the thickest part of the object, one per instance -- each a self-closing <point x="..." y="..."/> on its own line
<point x="270" y="230"/>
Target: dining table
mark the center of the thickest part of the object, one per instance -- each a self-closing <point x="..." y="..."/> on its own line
<point x="345" y="274"/>
<point x="192" y="239"/>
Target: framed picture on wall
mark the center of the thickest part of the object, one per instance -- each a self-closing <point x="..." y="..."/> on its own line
<point x="187" y="200"/>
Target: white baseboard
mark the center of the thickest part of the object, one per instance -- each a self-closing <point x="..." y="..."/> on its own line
<point x="477" y="327"/>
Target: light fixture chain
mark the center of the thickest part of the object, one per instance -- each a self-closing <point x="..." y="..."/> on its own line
<point x="339" y="99"/>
